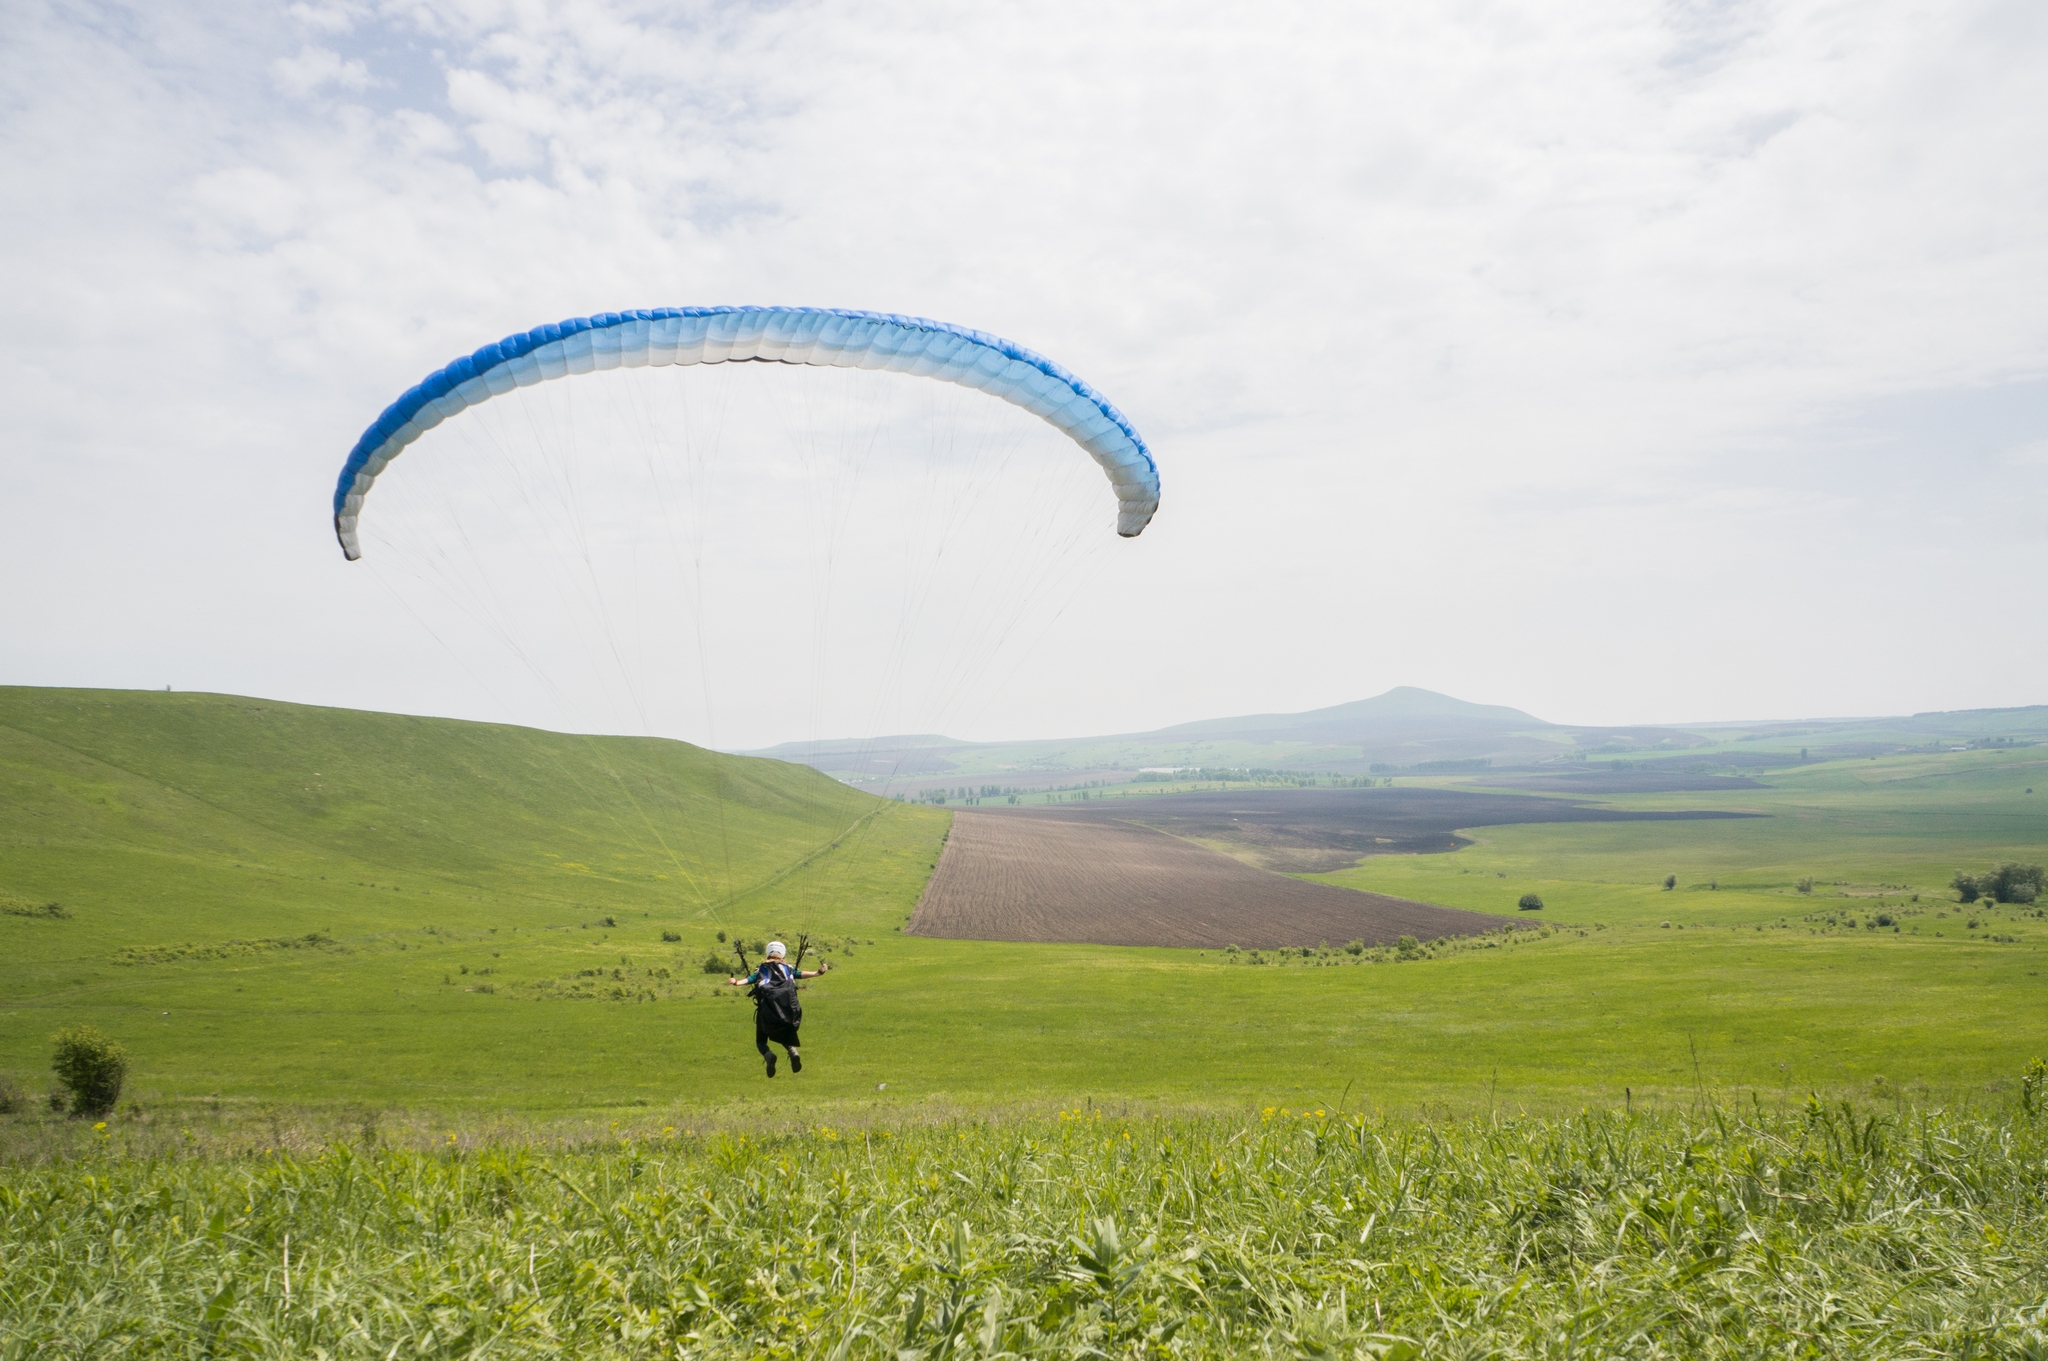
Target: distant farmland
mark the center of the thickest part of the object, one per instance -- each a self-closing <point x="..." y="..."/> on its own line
<point x="1309" y="831"/>
<point x="1083" y="880"/>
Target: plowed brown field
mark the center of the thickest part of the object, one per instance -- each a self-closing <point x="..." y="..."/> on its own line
<point x="1048" y="878"/>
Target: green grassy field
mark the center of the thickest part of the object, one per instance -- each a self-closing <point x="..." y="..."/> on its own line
<point x="278" y="905"/>
<point x="1808" y="1232"/>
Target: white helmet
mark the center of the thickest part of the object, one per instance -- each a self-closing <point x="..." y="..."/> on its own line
<point x="776" y="948"/>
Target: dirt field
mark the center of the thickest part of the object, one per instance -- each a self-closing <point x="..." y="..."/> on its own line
<point x="1046" y="877"/>
<point x="1310" y="831"/>
<point x="1620" y="782"/>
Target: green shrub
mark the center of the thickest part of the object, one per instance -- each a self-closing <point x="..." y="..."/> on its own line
<point x="1408" y="947"/>
<point x="671" y="937"/>
<point x="93" y="1066"/>
<point x="21" y="907"/>
<point x="1670" y="881"/>
<point x="12" y="1098"/>
<point x="1805" y="885"/>
<point x="2013" y="883"/>
<point x="1529" y="903"/>
<point x="1356" y="947"/>
<point x="716" y="963"/>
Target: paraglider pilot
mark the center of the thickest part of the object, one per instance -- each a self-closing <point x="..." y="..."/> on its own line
<point x="777" y="1012"/>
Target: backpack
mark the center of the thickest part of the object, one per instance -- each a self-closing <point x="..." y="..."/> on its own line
<point x="776" y="999"/>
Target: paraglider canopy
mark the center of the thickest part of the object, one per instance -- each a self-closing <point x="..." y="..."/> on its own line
<point x="822" y="337"/>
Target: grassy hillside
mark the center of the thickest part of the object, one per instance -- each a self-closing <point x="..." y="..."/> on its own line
<point x="293" y="885"/>
<point x="456" y="880"/>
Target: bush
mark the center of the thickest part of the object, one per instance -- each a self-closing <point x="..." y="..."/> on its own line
<point x="1965" y="886"/>
<point x="715" y="963"/>
<point x="1529" y="903"/>
<point x="1670" y="881"/>
<point x="21" y="908"/>
<point x="670" y="937"/>
<point x="1805" y="885"/>
<point x="12" y="1098"/>
<point x="1408" y="947"/>
<point x="1356" y="947"/>
<point x="93" y="1066"/>
<point x="2012" y="883"/>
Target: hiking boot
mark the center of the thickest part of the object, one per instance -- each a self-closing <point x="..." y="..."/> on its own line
<point x="771" y="1064"/>
<point x="796" y="1062"/>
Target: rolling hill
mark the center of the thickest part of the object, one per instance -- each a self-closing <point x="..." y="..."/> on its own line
<point x="284" y="906"/>
<point x="1404" y="731"/>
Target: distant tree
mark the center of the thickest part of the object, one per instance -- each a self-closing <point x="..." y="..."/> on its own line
<point x="1805" y="885"/>
<point x="1670" y="881"/>
<point x="93" y="1066"/>
<point x="2013" y="882"/>
<point x="1530" y="903"/>
<point x="1356" y="947"/>
<point x="1802" y="753"/>
<point x="1965" y="885"/>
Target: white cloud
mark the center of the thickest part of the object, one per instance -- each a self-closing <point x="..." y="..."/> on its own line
<point x="315" y="68"/>
<point x="1509" y="349"/>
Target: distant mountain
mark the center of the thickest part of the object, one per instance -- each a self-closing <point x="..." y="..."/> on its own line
<point x="1403" y="728"/>
<point x="1406" y="730"/>
<point x="1403" y="715"/>
<point x="1404" y="707"/>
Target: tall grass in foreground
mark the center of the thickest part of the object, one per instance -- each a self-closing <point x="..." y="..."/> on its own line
<point x="1824" y="1232"/>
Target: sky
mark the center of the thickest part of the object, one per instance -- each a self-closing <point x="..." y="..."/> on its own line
<point x="1621" y="362"/>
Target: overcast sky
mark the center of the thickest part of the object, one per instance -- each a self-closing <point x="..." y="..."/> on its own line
<point x="1620" y="362"/>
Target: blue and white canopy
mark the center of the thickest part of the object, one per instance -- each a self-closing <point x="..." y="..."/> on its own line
<point x="823" y="337"/>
